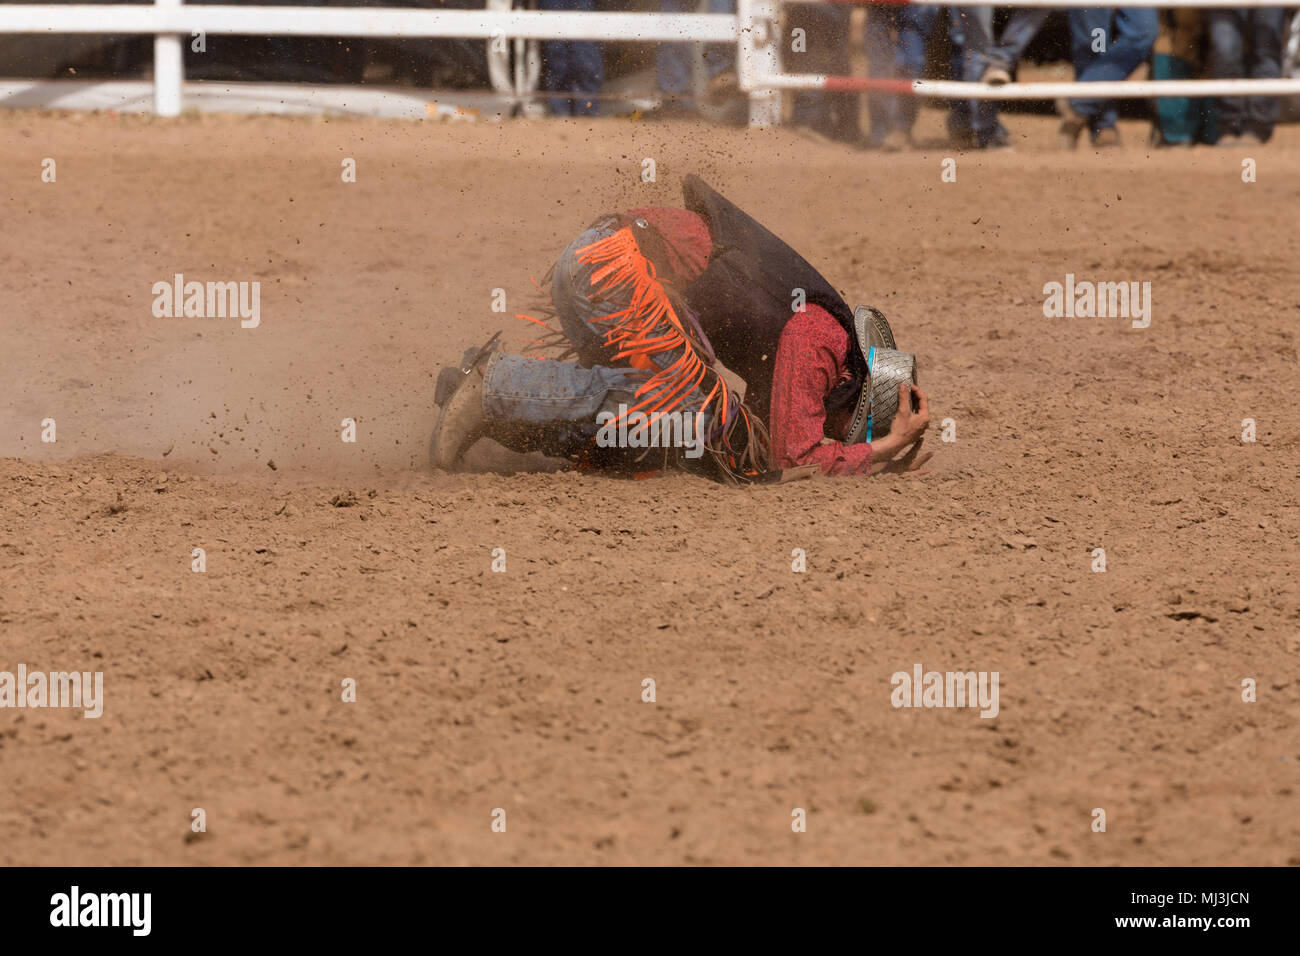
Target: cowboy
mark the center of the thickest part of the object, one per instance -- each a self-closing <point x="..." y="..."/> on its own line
<point x="698" y="312"/>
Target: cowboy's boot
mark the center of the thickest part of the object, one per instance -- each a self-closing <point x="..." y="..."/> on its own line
<point x="461" y="422"/>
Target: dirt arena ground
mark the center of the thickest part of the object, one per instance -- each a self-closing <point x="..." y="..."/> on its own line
<point x="522" y="690"/>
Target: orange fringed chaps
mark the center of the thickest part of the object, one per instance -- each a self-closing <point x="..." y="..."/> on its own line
<point x="648" y="327"/>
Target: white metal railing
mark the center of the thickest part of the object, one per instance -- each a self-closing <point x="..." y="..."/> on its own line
<point x="754" y="28"/>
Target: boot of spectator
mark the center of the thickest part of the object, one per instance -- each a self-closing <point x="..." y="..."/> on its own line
<point x="1246" y="43"/>
<point x="1107" y="138"/>
<point x="1072" y="125"/>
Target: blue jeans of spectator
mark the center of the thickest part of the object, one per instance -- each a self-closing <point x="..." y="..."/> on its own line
<point x="1246" y="44"/>
<point x="673" y="61"/>
<point x="827" y="33"/>
<point x="971" y="30"/>
<point x="903" y="58"/>
<point x="979" y="50"/>
<point x="1016" y="35"/>
<point x="573" y="67"/>
<point x="551" y="406"/>
<point x="1007" y="49"/>
<point x="1127" y="45"/>
<point x="959" y="111"/>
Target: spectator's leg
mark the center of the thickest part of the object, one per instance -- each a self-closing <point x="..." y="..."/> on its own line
<point x="959" y="111"/>
<point x="673" y="60"/>
<point x="826" y="33"/>
<point x="881" y="50"/>
<point x="1265" y="34"/>
<point x="555" y="72"/>
<point x="561" y="64"/>
<point x="1017" y="35"/>
<point x="916" y="23"/>
<point x="977" y="39"/>
<point x="720" y="56"/>
<point x="1226" y="31"/>
<point x="844" y="125"/>
<point x="977" y="28"/>
<point x="805" y="109"/>
<point x="588" y="77"/>
<point x="1083" y="23"/>
<point x="586" y="67"/>
<point x="1136" y="29"/>
<point x="807" y="106"/>
<point x="1130" y="45"/>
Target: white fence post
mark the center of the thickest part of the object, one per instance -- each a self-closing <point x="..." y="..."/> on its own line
<point x="757" y="36"/>
<point x="168" y="67"/>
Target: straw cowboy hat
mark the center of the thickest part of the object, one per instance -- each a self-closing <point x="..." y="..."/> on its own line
<point x="887" y="368"/>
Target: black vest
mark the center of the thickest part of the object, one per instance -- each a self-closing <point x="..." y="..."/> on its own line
<point x="746" y="293"/>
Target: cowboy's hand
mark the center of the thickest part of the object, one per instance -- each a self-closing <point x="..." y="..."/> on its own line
<point x="910" y="425"/>
<point x="911" y="463"/>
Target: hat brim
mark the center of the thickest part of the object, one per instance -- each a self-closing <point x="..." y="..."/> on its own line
<point x="872" y="329"/>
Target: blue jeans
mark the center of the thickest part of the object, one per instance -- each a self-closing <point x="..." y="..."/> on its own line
<point x="1018" y="33"/>
<point x="551" y="406"/>
<point x="971" y="29"/>
<point x="572" y="66"/>
<point x="980" y="51"/>
<point x="1246" y="43"/>
<point x="1127" y="45"/>
<point x="827" y="31"/>
<point x="673" y="60"/>
<point x="903" y="58"/>
<point x="1007" y="49"/>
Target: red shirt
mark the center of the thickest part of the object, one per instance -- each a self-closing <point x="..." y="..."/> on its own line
<point x="811" y="359"/>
